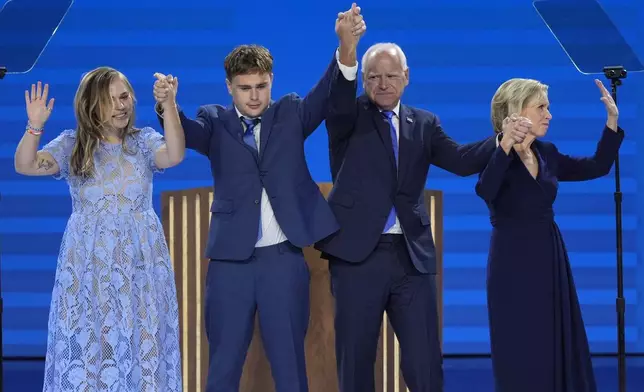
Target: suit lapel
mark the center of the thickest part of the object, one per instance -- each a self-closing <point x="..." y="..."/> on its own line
<point x="266" y="128"/>
<point x="233" y="125"/>
<point x="405" y="140"/>
<point x="382" y="127"/>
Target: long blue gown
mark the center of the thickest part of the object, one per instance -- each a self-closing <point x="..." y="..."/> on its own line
<point x="537" y="335"/>
<point x="114" y="320"/>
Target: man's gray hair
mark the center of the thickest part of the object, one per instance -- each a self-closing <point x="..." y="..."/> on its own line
<point x="383" y="47"/>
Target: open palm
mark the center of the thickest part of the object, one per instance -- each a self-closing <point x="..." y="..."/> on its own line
<point x="38" y="110"/>
<point x="607" y="99"/>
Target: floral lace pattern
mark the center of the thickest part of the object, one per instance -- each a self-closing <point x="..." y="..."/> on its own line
<point x="114" y="319"/>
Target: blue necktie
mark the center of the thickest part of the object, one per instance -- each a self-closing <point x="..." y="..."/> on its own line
<point x="249" y="138"/>
<point x="249" y="134"/>
<point x="391" y="219"/>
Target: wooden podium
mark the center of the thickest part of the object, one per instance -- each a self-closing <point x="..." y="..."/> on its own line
<point x="186" y="219"/>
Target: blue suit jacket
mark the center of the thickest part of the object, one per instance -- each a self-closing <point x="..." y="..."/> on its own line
<point x="365" y="180"/>
<point x="240" y="173"/>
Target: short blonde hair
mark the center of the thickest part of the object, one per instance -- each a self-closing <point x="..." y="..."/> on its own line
<point x="512" y="97"/>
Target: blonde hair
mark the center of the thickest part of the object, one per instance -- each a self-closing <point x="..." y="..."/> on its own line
<point x="512" y="97"/>
<point x="93" y="111"/>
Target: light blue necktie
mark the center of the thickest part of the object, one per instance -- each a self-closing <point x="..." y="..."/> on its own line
<point x="391" y="219"/>
<point x="249" y="138"/>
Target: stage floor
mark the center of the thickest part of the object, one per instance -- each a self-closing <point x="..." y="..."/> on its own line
<point x="461" y="375"/>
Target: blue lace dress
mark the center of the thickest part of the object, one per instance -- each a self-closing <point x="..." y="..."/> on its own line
<point x="114" y="320"/>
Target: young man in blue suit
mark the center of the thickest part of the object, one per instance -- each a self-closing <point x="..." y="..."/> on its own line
<point x="383" y="258"/>
<point x="266" y="208"/>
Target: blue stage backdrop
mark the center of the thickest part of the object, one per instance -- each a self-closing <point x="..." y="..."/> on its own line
<point x="459" y="51"/>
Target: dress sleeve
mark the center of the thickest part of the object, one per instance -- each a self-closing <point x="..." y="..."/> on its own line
<point x="60" y="149"/>
<point x="151" y="142"/>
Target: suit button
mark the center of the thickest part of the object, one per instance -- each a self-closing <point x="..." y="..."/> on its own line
<point x="256" y="201"/>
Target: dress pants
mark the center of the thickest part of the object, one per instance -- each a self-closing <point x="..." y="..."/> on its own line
<point x="274" y="282"/>
<point x="386" y="281"/>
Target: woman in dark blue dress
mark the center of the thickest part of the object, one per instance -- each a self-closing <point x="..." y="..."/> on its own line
<point x="537" y="334"/>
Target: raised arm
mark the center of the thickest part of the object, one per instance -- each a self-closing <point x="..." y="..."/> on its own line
<point x="342" y="113"/>
<point x="171" y="151"/>
<point x="197" y="132"/>
<point x="28" y="160"/>
<point x="467" y="159"/>
<point x="315" y="107"/>
<point x="460" y="159"/>
<point x="588" y="168"/>
<point x="582" y="169"/>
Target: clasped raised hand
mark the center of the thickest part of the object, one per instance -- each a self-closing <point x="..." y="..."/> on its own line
<point x="350" y="26"/>
<point x="165" y="88"/>
<point x="515" y="130"/>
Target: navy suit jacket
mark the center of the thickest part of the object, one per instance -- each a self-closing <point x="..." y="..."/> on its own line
<point x="366" y="183"/>
<point x="239" y="173"/>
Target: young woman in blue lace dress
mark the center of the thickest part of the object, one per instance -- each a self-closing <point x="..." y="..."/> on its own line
<point x="113" y="322"/>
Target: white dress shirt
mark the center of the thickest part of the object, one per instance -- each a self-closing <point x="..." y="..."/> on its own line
<point x="271" y="231"/>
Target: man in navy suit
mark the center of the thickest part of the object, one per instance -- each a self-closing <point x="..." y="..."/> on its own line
<point x="266" y="208"/>
<point x="383" y="257"/>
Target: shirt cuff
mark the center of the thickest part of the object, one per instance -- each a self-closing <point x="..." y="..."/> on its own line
<point x="349" y="73"/>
